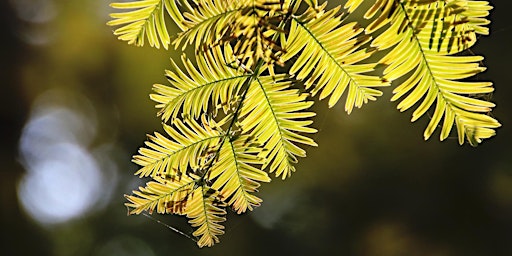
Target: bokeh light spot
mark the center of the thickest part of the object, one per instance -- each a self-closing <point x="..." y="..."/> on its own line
<point x="64" y="177"/>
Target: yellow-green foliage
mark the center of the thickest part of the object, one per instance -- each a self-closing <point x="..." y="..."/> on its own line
<point x="232" y="116"/>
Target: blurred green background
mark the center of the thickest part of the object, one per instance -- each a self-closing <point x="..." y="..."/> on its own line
<point x="75" y="108"/>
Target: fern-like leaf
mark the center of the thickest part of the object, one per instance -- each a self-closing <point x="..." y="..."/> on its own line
<point x="274" y="114"/>
<point x="248" y="24"/>
<point x="435" y="76"/>
<point x="206" y="212"/>
<point x="209" y="21"/>
<point x="191" y="146"/>
<point x="200" y="203"/>
<point x="235" y="174"/>
<point x="446" y="27"/>
<point x="146" y="19"/>
<point x="193" y="90"/>
<point x="452" y="26"/>
<point x="330" y="58"/>
<point x="164" y="194"/>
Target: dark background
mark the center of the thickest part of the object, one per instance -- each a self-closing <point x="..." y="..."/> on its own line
<point x="372" y="187"/>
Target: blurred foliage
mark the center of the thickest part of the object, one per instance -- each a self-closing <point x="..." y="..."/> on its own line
<point x="377" y="195"/>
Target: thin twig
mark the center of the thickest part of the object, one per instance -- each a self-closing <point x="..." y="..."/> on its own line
<point x="169" y="227"/>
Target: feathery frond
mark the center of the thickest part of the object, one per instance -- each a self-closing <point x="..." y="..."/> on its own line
<point x="200" y="203"/>
<point x="208" y="21"/>
<point x="193" y="90"/>
<point x="236" y="177"/>
<point x="206" y="212"/>
<point x="435" y="76"/>
<point x="275" y="115"/>
<point x="146" y="18"/>
<point x="190" y="144"/>
<point x="249" y="24"/>
<point x="454" y="25"/>
<point x="167" y="195"/>
<point x="446" y="27"/>
<point x="330" y="58"/>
